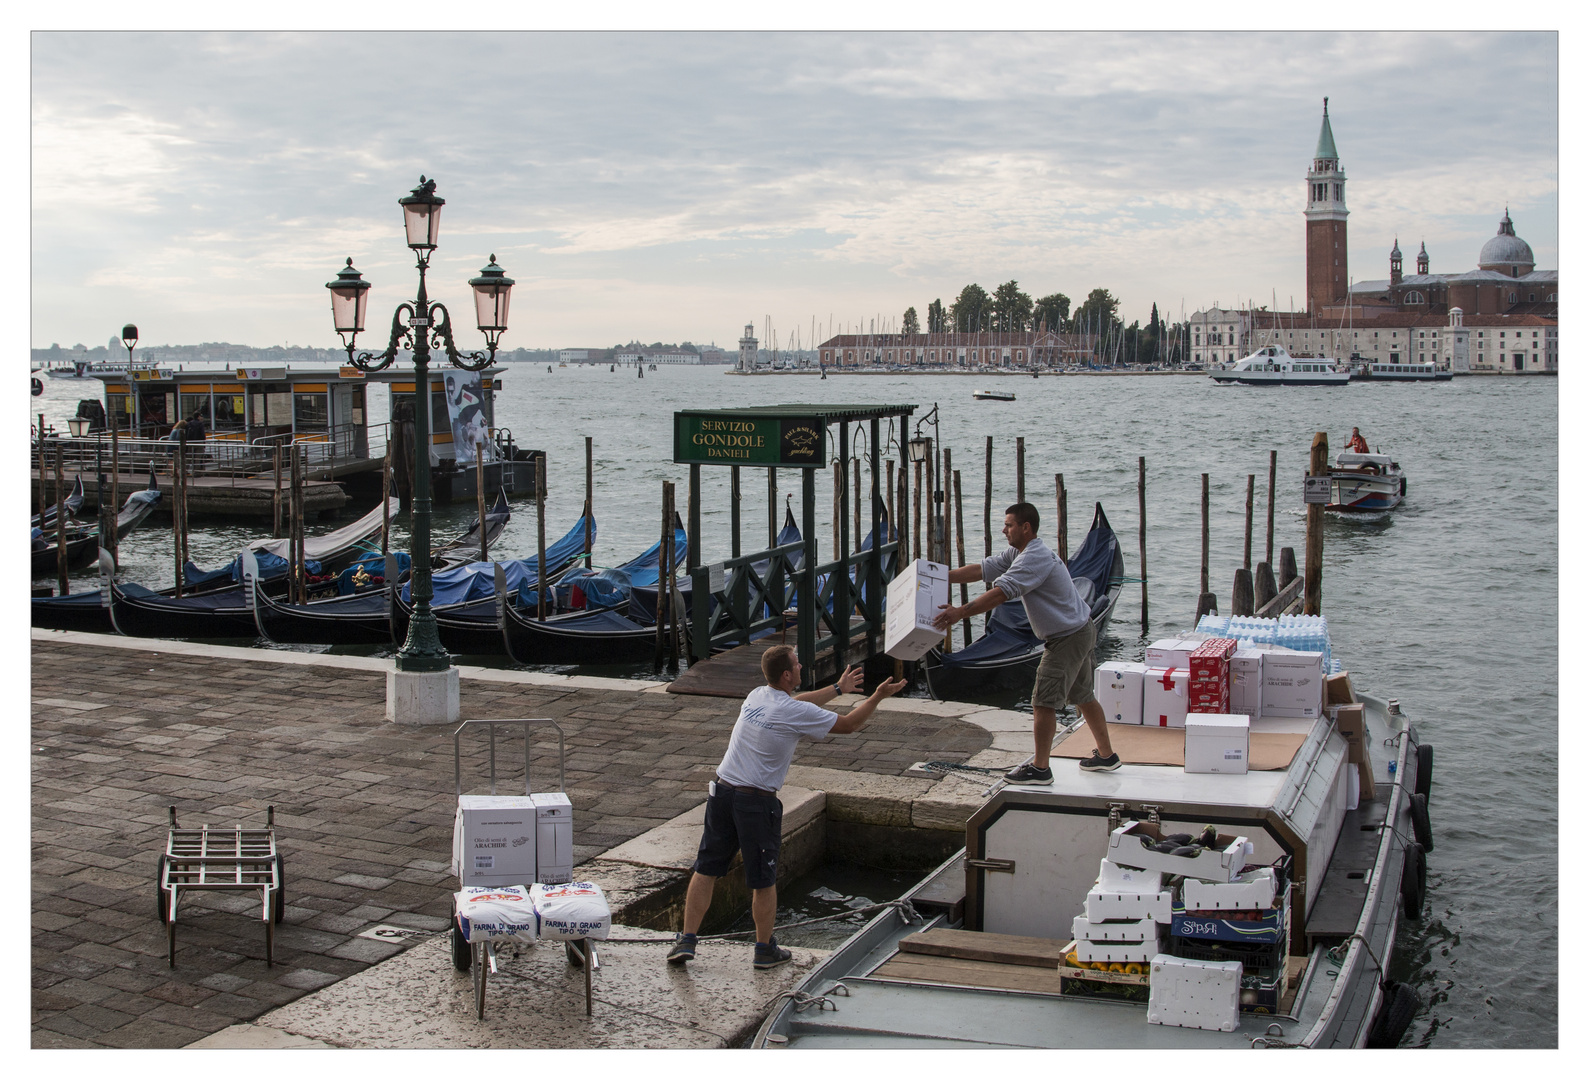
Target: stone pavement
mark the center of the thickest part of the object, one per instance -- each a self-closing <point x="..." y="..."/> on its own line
<point x="121" y="730"/>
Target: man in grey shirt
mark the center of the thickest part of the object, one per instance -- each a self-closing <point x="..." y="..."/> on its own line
<point x="1030" y="570"/>
<point x="743" y="813"/>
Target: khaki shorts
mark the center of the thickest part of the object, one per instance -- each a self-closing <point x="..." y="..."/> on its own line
<point x="1065" y="673"/>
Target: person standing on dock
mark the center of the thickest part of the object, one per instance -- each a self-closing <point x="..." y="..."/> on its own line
<point x="1357" y="444"/>
<point x="743" y="813"/>
<point x="1030" y="570"/>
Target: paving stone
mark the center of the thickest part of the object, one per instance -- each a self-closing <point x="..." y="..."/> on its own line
<point x="364" y="814"/>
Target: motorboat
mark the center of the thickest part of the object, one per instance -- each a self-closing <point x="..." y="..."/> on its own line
<point x="983" y="953"/>
<point x="1362" y="483"/>
<point x="1373" y="371"/>
<point x="992" y="395"/>
<point x="1273" y="366"/>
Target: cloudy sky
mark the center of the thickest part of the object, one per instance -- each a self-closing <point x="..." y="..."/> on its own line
<point x="676" y="186"/>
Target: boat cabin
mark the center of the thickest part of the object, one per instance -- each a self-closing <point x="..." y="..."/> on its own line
<point x="1376" y="464"/>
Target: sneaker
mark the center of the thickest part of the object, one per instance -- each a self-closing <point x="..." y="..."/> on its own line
<point x="769" y="955"/>
<point x="1101" y="764"/>
<point x="683" y="949"/>
<point x="1029" y="774"/>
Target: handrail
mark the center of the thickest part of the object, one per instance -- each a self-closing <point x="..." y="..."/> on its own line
<point x="217" y="456"/>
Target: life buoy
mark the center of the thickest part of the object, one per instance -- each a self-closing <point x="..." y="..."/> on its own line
<point x="37" y="385"/>
<point x="1419" y="805"/>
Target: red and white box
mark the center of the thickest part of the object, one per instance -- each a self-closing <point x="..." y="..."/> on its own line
<point x="1164" y="697"/>
<point x="1208" y="699"/>
<point x="1171" y="652"/>
<point x="1211" y="659"/>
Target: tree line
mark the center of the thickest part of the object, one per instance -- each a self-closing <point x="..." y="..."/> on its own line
<point x="1008" y="309"/>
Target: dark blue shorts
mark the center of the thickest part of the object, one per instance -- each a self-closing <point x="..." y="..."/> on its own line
<point x="749" y="824"/>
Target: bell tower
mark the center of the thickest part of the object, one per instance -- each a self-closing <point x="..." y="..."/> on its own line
<point x="1326" y="223"/>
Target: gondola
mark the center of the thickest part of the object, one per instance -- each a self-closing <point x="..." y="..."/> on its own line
<point x="73" y="503"/>
<point x="84" y="610"/>
<point x="225" y="612"/>
<point x="466" y="548"/>
<point x="615" y="632"/>
<point x="366" y="617"/>
<point x="464" y="598"/>
<point x="1005" y="657"/>
<point x="81" y="545"/>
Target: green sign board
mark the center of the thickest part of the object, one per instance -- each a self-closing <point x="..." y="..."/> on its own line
<point x="725" y="438"/>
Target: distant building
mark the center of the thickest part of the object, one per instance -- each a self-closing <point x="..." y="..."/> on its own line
<point x="711" y="354"/>
<point x="646" y="356"/>
<point x="1031" y="348"/>
<point x="581" y="356"/>
<point x="747" y="349"/>
<point x="1500" y="317"/>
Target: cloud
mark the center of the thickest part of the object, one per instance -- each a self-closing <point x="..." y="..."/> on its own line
<point x="763" y="170"/>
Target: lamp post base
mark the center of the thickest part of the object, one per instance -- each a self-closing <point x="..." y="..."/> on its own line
<point x="422" y="697"/>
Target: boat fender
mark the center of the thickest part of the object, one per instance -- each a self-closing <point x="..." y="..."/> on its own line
<point x="1414" y="881"/>
<point x="1426" y="768"/>
<point x="1397" y="1005"/>
<point x="1419" y="806"/>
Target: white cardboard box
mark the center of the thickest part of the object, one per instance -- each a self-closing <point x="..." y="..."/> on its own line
<point x="1250" y="891"/>
<point x="554" y="838"/>
<point x="1164" y="699"/>
<point x="1118" y="688"/>
<point x="1120" y="952"/>
<point x="493" y="840"/>
<point x="1194" y="993"/>
<point x="1293" y="684"/>
<point x="1246" y="682"/>
<point x="1083" y="929"/>
<point x="1122" y="892"/>
<point x="914" y="597"/>
<point x="1211" y="864"/>
<point x="1216" y="743"/>
<point x="1171" y="652"/>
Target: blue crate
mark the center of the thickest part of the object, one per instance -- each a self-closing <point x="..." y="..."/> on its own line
<point x="1212" y="927"/>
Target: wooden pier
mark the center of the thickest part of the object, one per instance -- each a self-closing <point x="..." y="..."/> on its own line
<point x="222" y="495"/>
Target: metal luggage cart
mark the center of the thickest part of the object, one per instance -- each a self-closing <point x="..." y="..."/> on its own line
<point x="225" y="860"/>
<point x="479" y="958"/>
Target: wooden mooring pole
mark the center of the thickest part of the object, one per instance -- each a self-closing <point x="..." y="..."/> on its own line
<point x="838" y="506"/>
<point x="176" y="508"/>
<point x="115" y="489"/>
<point x="1142" y="534"/>
<point x="590" y="499"/>
<point x="663" y="553"/>
<point x="1269" y="537"/>
<point x="902" y="502"/>
<point x="960" y="549"/>
<point x="1206" y="602"/>
<point x="1020" y="468"/>
<point x="893" y="519"/>
<point x="386" y="502"/>
<point x="987" y="501"/>
<point x="275" y="503"/>
<point x="915" y="542"/>
<point x="1060" y="500"/>
<point x="1246" y="551"/>
<point x="1313" y="556"/>
<point x="60" y="519"/>
<point x="540" y="537"/>
<point x="480" y="501"/>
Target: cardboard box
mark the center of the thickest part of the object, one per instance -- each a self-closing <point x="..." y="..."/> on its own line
<point x="1208" y="699"/>
<point x="1122" y="892"/>
<point x="554" y="838"/>
<point x="1164" y="701"/>
<point x="1194" y="993"/>
<point x="1253" y="890"/>
<point x="1350" y="722"/>
<point x="1118" y="688"/>
<point x="1119" y="952"/>
<point x="1083" y="929"/>
<point x="1223" y="862"/>
<point x="1338" y="690"/>
<point x="1246" y="682"/>
<point x="1216" y="743"/>
<point x="1171" y="652"/>
<point x="1293" y="684"/>
<point x="914" y="597"/>
<point x="493" y="840"/>
<point x="1210" y="659"/>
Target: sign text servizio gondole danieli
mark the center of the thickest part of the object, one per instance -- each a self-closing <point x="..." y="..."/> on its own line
<point x="748" y="439"/>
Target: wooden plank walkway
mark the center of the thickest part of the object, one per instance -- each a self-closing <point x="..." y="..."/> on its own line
<point x="736" y="672"/>
<point x="240" y="496"/>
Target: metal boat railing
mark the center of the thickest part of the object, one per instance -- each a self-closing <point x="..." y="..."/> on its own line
<point x="221" y="456"/>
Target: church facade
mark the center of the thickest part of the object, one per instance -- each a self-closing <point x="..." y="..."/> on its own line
<point x="1500" y="317"/>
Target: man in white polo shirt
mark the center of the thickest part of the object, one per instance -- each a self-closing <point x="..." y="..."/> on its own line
<point x="743" y="813"/>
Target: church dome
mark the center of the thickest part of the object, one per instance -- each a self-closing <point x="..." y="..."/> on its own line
<point x="1506" y="252"/>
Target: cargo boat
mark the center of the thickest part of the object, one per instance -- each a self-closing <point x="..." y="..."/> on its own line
<point x="982" y="963"/>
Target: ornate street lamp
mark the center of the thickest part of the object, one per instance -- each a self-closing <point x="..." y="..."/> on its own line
<point x="420" y="326"/>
